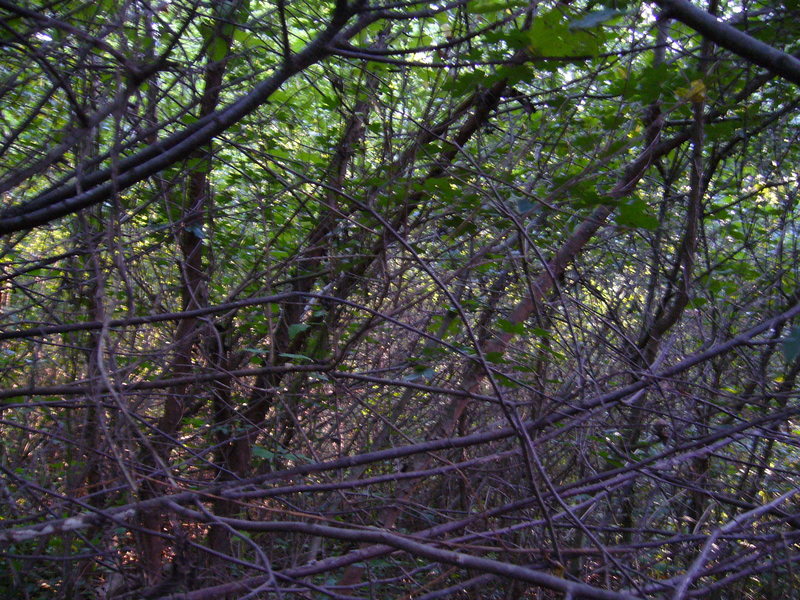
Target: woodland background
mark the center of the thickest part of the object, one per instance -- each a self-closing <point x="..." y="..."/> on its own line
<point x="461" y="299"/>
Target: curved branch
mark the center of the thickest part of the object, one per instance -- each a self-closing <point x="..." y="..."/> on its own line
<point x="68" y="199"/>
<point x="757" y="52"/>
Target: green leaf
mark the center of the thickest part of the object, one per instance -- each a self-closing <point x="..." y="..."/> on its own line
<point x="10" y="25"/>
<point x="197" y="230"/>
<point x="655" y="82"/>
<point x="550" y="35"/>
<point x="697" y="302"/>
<point x="506" y="382"/>
<point x="598" y="17"/>
<point x="297" y="328"/>
<point x="467" y="82"/>
<point x="791" y="345"/>
<point x="295" y="356"/>
<point x="260" y="452"/>
<point x="635" y="214"/>
<point x="509" y="327"/>
<point x="481" y="7"/>
<point x="198" y="164"/>
<point x="217" y="49"/>
<point x="421" y="372"/>
<point x="295" y="457"/>
<point x="247" y="39"/>
<point x="495" y="357"/>
<point x="524" y="205"/>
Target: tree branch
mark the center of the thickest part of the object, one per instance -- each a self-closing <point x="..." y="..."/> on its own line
<point x="728" y="37"/>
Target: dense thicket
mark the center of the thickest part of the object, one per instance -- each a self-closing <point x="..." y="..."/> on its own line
<point x="469" y="299"/>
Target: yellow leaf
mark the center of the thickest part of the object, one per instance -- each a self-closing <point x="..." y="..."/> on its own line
<point x="695" y="93"/>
